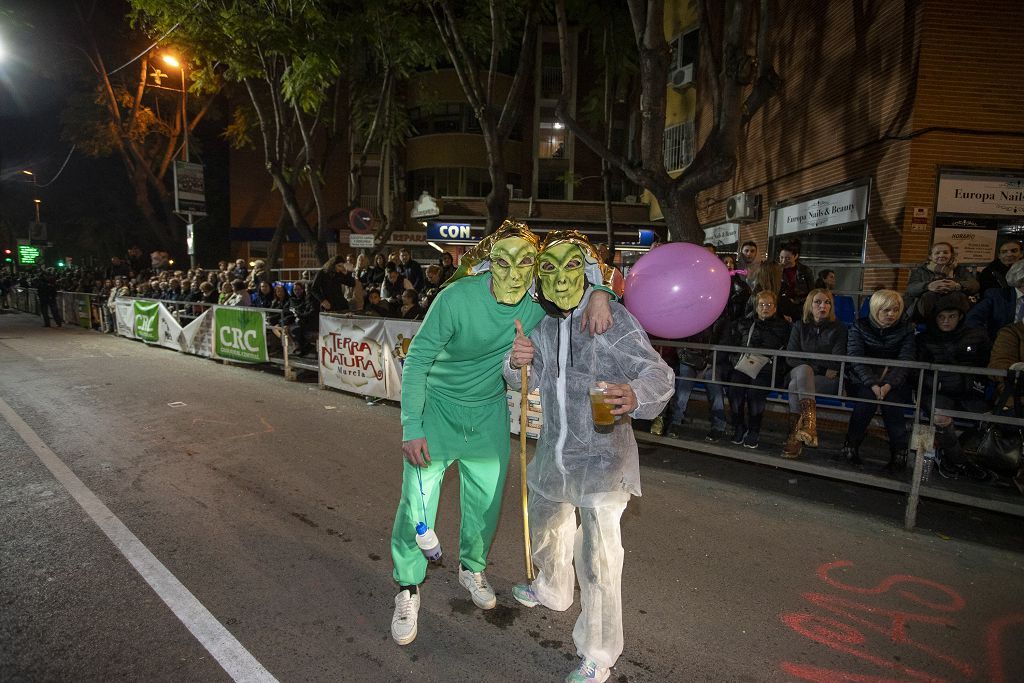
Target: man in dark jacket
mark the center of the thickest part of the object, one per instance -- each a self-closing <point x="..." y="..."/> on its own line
<point x="46" y="290"/>
<point x="328" y="285"/>
<point x="1000" y="306"/>
<point x="994" y="274"/>
<point x="409" y="269"/>
<point x="302" y="318"/>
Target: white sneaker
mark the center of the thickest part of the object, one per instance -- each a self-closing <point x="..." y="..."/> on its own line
<point x="403" y="623"/>
<point x="478" y="587"/>
<point x="588" y="672"/>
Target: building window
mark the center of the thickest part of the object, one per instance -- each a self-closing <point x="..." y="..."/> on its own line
<point x="685" y="49"/>
<point x="454" y="182"/>
<point x="678" y="146"/>
<point x="452" y="117"/>
<point x="550" y="71"/>
<point x="550" y="136"/>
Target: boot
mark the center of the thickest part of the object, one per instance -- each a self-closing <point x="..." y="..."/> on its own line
<point x="851" y="452"/>
<point x="793" y="447"/>
<point x="807" y="430"/>
<point x="897" y="460"/>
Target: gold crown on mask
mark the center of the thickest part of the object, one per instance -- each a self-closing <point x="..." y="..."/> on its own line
<point x="481" y="251"/>
<point x="556" y="237"/>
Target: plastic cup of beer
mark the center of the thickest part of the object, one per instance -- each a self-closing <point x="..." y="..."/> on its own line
<point x="602" y="411"/>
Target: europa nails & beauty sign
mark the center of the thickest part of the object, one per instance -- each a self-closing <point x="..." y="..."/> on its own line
<point x="146" y="315"/>
<point x="239" y="335"/>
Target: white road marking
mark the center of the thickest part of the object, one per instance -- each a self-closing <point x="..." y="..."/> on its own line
<point x="218" y="641"/>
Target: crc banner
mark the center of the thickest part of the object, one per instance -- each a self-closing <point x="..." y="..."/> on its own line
<point x="239" y="335"/>
<point x="146" y="316"/>
<point x="352" y="354"/>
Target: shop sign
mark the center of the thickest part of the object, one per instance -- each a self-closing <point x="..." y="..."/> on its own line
<point x="438" y="231"/>
<point x="972" y="245"/>
<point x="832" y="210"/>
<point x="425" y="207"/>
<point x="722" y="234"/>
<point x="361" y="241"/>
<point x="407" y="237"/>
<point x="987" y="195"/>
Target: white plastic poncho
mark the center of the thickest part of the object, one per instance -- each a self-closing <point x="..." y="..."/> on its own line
<point x="573" y="462"/>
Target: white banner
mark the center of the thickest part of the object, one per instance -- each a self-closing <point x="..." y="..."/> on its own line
<point x="987" y="195"/>
<point x="125" y="314"/>
<point x="972" y="245"/>
<point x="398" y="335"/>
<point x="197" y="336"/>
<point x="722" y="234"/>
<point x="839" y="208"/>
<point x="169" y="331"/>
<point x="352" y="355"/>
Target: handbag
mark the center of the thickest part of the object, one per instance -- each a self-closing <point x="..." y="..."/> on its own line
<point x="998" y="446"/>
<point x="751" y="364"/>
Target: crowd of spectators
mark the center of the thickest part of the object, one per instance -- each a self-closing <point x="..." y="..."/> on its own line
<point x="945" y="316"/>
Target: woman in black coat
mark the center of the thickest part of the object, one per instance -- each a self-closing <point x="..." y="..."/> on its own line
<point x="763" y="330"/>
<point x="885" y="335"/>
<point x="817" y="332"/>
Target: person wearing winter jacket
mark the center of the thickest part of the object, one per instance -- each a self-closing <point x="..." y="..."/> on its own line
<point x="948" y="341"/>
<point x="938" y="276"/>
<point x="817" y="332"/>
<point x="994" y="274"/>
<point x="764" y="330"/>
<point x="882" y="335"/>
<point x="302" y="318"/>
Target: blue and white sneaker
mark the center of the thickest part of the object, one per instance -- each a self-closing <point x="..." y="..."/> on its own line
<point x="588" y="672"/>
<point x="523" y="593"/>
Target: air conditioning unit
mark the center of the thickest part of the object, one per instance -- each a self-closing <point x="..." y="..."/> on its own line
<point x="682" y="77"/>
<point x="743" y="207"/>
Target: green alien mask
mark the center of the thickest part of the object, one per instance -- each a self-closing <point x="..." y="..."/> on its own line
<point x="512" y="262"/>
<point x="562" y="274"/>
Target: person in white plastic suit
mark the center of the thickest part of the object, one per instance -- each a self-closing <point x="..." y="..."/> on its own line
<point x="576" y="466"/>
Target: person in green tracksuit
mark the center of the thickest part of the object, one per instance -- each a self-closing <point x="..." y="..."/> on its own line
<point x="454" y="410"/>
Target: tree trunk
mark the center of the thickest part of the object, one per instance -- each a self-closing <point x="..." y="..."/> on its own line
<point x="679" y="208"/>
<point x="497" y="198"/>
<point x="280" y="233"/>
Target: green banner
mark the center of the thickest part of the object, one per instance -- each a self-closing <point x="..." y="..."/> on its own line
<point x="239" y="335"/>
<point x="84" y="311"/>
<point x="147" y="316"/>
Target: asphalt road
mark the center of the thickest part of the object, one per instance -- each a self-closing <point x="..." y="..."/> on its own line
<point x="264" y="508"/>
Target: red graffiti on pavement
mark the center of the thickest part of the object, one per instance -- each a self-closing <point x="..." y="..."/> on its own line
<point x="843" y="628"/>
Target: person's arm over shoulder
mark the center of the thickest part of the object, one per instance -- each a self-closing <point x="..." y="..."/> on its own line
<point x="648" y="374"/>
<point x="434" y="334"/>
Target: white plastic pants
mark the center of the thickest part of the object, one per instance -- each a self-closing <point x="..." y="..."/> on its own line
<point x="597" y="548"/>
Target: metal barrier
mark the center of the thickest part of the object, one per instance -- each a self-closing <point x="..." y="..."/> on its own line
<point x="915" y="488"/>
<point x="26" y="301"/>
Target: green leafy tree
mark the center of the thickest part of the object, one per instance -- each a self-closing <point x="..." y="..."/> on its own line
<point x="736" y="84"/>
<point x="124" y="115"/>
<point x="286" y="57"/>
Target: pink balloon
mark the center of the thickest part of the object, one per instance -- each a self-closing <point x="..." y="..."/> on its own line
<point x="677" y="289"/>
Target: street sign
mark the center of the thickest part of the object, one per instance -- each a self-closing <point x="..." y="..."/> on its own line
<point x="37" y="232"/>
<point x="29" y="255"/>
<point x="189" y="189"/>
<point x="360" y="220"/>
<point x="361" y="241"/>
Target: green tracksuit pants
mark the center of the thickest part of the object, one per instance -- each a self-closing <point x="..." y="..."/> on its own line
<point x="478" y="439"/>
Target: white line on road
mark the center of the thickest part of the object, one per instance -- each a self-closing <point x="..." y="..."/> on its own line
<point x="229" y="653"/>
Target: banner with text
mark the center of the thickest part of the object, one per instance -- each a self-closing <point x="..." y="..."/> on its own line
<point x="146" y="315"/>
<point x="170" y="331"/>
<point x="239" y="335"/>
<point x="124" y="314"/>
<point x="352" y="355"/>
<point x="398" y="336"/>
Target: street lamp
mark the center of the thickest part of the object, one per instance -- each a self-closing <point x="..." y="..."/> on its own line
<point x="37" y="202"/>
<point x="173" y="62"/>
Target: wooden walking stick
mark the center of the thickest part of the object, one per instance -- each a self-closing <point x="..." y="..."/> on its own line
<point x="524" y="403"/>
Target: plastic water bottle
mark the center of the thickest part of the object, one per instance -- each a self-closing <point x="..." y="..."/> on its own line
<point x="426" y="539"/>
<point x="927" y="465"/>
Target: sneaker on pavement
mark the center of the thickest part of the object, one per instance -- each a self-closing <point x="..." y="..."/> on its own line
<point x="588" y="672"/>
<point x="523" y="593"/>
<point x="478" y="587"/>
<point x="403" y="623"/>
<point x="675" y="430"/>
<point x="715" y="435"/>
<point x="750" y="439"/>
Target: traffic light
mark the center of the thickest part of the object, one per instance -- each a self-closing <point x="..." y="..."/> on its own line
<point x="60" y="264"/>
<point x="8" y="256"/>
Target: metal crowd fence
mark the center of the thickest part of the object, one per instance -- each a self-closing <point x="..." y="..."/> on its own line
<point x="922" y="421"/>
<point x="24" y="299"/>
